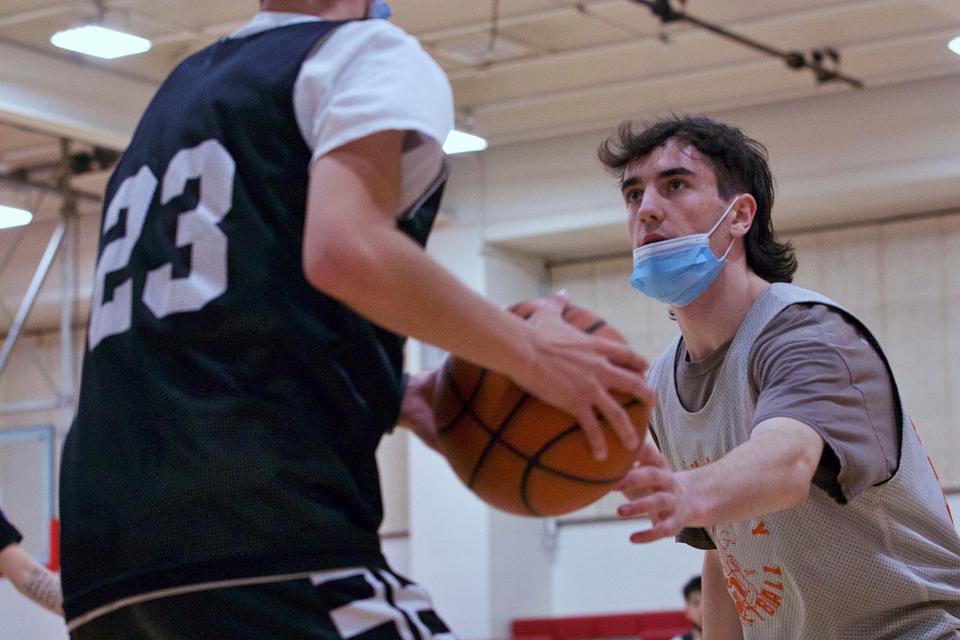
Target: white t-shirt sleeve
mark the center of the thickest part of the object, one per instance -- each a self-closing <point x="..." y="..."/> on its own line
<point x="371" y="76"/>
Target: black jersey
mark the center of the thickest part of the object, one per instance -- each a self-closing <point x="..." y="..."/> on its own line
<point x="8" y="532"/>
<point x="228" y="412"/>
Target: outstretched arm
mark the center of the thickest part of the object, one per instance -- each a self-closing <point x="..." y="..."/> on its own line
<point x="770" y="472"/>
<point x="354" y="253"/>
<point x="31" y="579"/>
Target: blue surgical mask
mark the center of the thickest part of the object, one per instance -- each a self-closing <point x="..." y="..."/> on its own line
<point x="379" y="9"/>
<point x="679" y="270"/>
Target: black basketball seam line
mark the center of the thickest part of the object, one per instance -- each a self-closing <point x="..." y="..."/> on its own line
<point x="466" y="408"/>
<point x="533" y="462"/>
<point x="495" y="433"/>
<point x="534" y="459"/>
<point x="539" y="465"/>
<point x="466" y="405"/>
<point x="596" y="326"/>
<point x="495" y="438"/>
<point x="490" y="431"/>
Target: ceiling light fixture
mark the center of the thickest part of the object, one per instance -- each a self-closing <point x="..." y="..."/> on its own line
<point x="94" y="40"/>
<point x="955" y="45"/>
<point x="12" y="217"/>
<point x="463" y="142"/>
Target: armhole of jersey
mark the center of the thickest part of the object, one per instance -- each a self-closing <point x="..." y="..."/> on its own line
<point x="431" y="189"/>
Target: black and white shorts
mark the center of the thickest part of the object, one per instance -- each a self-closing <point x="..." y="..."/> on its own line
<point x="358" y="603"/>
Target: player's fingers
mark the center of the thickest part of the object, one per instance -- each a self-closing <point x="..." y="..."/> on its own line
<point x="629" y="382"/>
<point x="622" y="355"/>
<point x="656" y="532"/>
<point x="641" y="481"/>
<point x="651" y="457"/>
<point x="657" y="505"/>
<point x="553" y="304"/>
<point x="593" y="432"/>
<point x="619" y="420"/>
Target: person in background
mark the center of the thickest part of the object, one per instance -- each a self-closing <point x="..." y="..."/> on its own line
<point x="691" y="599"/>
<point x="32" y="580"/>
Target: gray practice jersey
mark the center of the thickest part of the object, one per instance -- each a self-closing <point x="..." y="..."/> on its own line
<point x="884" y="565"/>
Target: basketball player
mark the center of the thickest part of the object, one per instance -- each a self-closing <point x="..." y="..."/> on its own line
<point x="29" y="578"/>
<point x="260" y="259"/>
<point x="786" y="451"/>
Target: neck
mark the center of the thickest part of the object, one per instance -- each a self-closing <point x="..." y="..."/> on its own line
<point x="714" y="318"/>
<point x="326" y="9"/>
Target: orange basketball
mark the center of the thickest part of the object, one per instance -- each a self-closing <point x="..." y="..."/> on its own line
<point x="522" y="455"/>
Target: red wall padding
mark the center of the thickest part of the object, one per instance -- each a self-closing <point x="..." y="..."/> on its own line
<point x="654" y="625"/>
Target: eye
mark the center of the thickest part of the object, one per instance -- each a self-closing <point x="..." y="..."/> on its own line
<point x="676" y="184"/>
<point x="633" y="195"/>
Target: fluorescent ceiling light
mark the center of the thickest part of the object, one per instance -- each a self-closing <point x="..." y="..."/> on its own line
<point x="955" y="45"/>
<point x="463" y="142"/>
<point x="10" y="217"/>
<point x="100" y="41"/>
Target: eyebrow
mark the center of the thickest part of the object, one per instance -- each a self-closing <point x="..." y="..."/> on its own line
<point x="666" y="173"/>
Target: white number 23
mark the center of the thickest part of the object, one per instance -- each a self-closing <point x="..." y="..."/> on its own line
<point x="163" y="294"/>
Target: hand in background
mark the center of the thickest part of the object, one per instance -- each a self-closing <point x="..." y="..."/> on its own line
<point x="417" y="410"/>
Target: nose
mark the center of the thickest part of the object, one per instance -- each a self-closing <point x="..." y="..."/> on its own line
<point x="647" y="214"/>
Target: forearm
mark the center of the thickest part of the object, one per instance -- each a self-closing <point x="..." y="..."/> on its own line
<point x="394" y="283"/>
<point x="720" y="618"/>
<point x="31" y="579"/>
<point x="770" y="472"/>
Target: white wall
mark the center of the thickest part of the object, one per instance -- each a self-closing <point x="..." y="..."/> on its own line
<point x="597" y="570"/>
<point x="20" y="619"/>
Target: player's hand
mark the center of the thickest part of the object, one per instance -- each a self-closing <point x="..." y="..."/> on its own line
<point x="576" y="372"/>
<point x="417" y="410"/>
<point x="657" y="492"/>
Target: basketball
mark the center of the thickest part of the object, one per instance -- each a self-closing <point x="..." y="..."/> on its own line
<point x="522" y="455"/>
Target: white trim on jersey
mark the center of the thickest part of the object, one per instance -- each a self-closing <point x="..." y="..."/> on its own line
<point x="370" y="76"/>
<point x="179" y="591"/>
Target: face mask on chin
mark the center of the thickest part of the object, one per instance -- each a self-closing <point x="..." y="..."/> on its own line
<point x="380" y="10"/>
<point x="679" y="270"/>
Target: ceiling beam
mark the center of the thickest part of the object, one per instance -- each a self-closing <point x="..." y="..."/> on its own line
<point x="702" y="73"/>
<point x="68" y="99"/>
<point x="39" y="13"/>
<point x="675" y="33"/>
<point x="60" y="8"/>
<point x="951" y="7"/>
<point x="460" y="30"/>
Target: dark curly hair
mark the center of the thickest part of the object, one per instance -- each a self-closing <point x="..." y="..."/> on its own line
<point x="740" y="163"/>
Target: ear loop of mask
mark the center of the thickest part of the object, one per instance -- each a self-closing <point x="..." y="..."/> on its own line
<point x="717" y="224"/>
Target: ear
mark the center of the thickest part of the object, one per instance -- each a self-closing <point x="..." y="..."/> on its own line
<point x="742" y="214"/>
